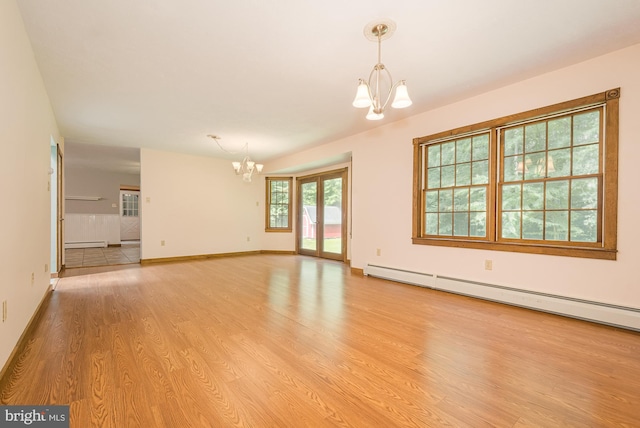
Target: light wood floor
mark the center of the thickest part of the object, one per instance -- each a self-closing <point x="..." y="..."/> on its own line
<point x="291" y="341"/>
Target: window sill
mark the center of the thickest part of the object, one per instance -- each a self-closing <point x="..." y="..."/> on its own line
<point x="589" y="253"/>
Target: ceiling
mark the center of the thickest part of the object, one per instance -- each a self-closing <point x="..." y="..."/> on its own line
<point x="281" y="75"/>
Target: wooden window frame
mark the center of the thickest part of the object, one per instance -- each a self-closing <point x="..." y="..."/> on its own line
<point x="268" y="228"/>
<point x="606" y="249"/>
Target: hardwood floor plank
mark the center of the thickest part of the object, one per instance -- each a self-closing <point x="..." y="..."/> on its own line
<point x="292" y="341"/>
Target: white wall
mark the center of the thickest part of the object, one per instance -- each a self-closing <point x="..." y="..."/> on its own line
<point x="382" y="188"/>
<point x="26" y="129"/>
<point x="92" y="182"/>
<point x="198" y="206"/>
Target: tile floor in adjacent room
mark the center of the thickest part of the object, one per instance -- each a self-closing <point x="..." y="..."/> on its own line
<point x="129" y="252"/>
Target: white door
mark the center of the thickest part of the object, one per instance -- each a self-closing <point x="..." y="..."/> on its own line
<point x="129" y="215"/>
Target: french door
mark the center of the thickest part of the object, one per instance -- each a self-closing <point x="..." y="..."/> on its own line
<point x="322" y="214"/>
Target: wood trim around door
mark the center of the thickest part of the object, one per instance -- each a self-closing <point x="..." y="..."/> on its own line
<point x="319" y="178"/>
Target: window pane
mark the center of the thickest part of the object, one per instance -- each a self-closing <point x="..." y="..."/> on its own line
<point x="433" y="178"/>
<point x="448" y="178"/>
<point x="463" y="174"/>
<point x="433" y="155"/>
<point x="480" y="172"/>
<point x="513" y="168"/>
<point x="477" y="224"/>
<point x="584" y="226"/>
<point x="463" y="150"/>
<point x="559" y="133"/>
<point x="461" y="224"/>
<point x="557" y="225"/>
<point x="444" y="226"/>
<point x="533" y="196"/>
<point x="513" y="139"/>
<point x="446" y="201"/>
<point x="511" y="197"/>
<point x="478" y="198"/>
<point x="511" y="225"/>
<point x="480" y="147"/>
<point x="461" y="200"/>
<point x="557" y="195"/>
<point x="448" y="153"/>
<point x="586" y="128"/>
<point x="586" y="160"/>
<point x="532" y="225"/>
<point x="432" y="201"/>
<point x="535" y="166"/>
<point x="431" y="228"/>
<point x="584" y="193"/>
<point x="461" y="163"/>
<point x="559" y="163"/>
<point x="535" y="138"/>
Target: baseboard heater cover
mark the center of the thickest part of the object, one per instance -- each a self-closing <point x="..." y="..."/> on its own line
<point x="85" y="244"/>
<point x="615" y="315"/>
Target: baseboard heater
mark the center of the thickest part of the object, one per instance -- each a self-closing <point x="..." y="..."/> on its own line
<point x="85" y="244"/>
<point x="619" y="316"/>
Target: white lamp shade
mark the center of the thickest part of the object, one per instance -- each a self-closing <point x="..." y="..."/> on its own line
<point x="259" y="167"/>
<point x="372" y="115"/>
<point x="401" y="99"/>
<point x="362" y="98"/>
<point x="236" y="166"/>
<point x="250" y="164"/>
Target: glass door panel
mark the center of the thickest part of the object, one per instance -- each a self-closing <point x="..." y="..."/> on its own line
<point x="309" y="221"/>
<point x="332" y="216"/>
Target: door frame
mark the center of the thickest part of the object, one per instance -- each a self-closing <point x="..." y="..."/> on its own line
<point x="60" y="209"/>
<point x="124" y="189"/>
<point x="319" y="179"/>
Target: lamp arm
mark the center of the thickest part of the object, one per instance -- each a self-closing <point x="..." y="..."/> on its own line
<point x="379" y="67"/>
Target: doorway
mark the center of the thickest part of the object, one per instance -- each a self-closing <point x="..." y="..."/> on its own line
<point x="55" y="188"/>
<point x="322" y="215"/>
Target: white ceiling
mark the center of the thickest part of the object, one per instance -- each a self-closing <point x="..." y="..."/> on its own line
<point x="281" y="75"/>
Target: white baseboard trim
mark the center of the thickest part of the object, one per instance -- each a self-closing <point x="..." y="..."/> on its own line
<point x="619" y="316"/>
<point x="86" y="244"/>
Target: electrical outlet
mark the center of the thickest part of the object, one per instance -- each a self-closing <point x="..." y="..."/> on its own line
<point x="162" y="243"/>
<point x="4" y="310"/>
<point x="33" y="278"/>
<point x="248" y="238"/>
<point x="377" y="251"/>
<point x="488" y="264"/>
<point x="46" y="267"/>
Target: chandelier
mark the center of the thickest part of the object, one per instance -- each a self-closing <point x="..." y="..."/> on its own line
<point x="369" y="93"/>
<point x="246" y="168"/>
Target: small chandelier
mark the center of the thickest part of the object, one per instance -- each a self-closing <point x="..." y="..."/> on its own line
<point x="247" y="168"/>
<point x="369" y="92"/>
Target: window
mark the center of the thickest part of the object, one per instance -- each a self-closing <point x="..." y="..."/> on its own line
<point x="129" y="205"/>
<point x="543" y="181"/>
<point x="278" y="204"/>
<point x="457" y="187"/>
